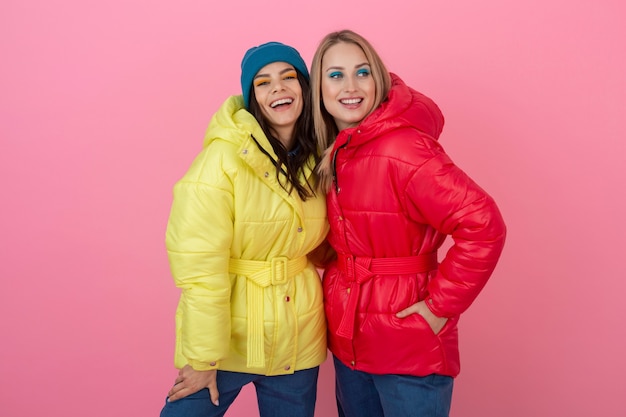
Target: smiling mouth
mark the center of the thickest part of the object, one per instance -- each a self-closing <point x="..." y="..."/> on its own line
<point x="281" y="102"/>
<point x="351" y="101"/>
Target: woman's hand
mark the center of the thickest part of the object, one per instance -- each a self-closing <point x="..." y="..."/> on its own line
<point x="435" y="323"/>
<point x="190" y="381"/>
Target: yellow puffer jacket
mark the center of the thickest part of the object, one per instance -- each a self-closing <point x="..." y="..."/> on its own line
<point x="237" y="243"/>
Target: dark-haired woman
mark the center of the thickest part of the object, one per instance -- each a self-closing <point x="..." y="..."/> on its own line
<point x="244" y="218"/>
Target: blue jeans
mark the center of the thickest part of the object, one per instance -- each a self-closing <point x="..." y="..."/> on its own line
<point x="278" y="396"/>
<point x="360" y="394"/>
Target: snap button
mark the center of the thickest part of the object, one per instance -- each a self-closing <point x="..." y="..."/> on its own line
<point x="287" y="368"/>
<point x="267" y="174"/>
<point x="352" y="363"/>
<point x="212" y="363"/>
<point x="300" y="229"/>
<point x="348" y="290"/>
<point x="287" y="299"/>
<point x="245" y="151"/>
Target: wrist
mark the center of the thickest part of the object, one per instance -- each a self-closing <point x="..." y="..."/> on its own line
<point x="429" y="302"/>
<point x="204" y="366"/>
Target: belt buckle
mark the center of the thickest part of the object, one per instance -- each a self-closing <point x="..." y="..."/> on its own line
<point x="279" y="270"/>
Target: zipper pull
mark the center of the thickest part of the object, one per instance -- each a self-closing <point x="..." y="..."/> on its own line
<point x="337" y="189"/>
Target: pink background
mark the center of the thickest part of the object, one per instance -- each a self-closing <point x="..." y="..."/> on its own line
<point x="103" y="105"/>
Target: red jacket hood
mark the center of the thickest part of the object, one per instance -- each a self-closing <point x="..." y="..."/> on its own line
<point x="404" y="107"/>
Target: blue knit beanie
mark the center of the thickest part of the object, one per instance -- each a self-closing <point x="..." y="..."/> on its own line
<point x="259" y="56"/>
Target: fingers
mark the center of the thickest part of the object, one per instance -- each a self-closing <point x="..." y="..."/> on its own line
<point x="178" y="393"/>
<point x="190" y="381"/>
<point x="435" y="323"/>
<point x="182" y="389"/>
<point x="175" y="393"/>
<point x="183" y="384"/>
<point x="214" y="393"/>
<point x="408" y="311"/>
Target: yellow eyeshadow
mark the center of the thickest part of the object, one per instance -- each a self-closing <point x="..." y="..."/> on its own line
<point x="290" y="74"/>
<point x="259" y="81"/>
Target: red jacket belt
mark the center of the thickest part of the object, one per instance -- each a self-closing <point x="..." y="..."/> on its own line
<point x="358" y="270"/>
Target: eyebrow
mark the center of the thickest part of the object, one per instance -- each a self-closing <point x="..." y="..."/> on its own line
<point x="340" y="68"/>
<point x="269" y="76"/>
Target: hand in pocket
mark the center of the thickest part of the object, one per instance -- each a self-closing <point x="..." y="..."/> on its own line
<point x="435" y="323"/>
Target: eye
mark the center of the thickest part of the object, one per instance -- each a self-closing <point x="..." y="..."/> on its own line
<point x="261" y="81"/>
<point x="363" y="72"/>
<point x="290" y="76"/>
<point x="335" y="75"/>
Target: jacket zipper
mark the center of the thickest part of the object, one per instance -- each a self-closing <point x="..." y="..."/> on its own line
<point x="337" y="189"/>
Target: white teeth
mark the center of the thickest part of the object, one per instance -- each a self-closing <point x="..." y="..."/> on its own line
<point x="351" y="101"/>
<point x="281" y="101"/>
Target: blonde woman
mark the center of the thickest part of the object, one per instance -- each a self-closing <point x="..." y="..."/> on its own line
<point x="393" y="197"/>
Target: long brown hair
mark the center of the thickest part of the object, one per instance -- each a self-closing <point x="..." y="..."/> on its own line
<point x="305" y="144"/>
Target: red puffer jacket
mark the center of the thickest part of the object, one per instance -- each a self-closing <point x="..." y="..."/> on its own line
<point x="395" y="197"/>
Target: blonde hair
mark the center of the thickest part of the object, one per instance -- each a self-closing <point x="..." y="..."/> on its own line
<point x="325" y="128"/>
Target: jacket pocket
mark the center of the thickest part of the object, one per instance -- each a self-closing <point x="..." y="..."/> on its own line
<point x="400" y="343"/>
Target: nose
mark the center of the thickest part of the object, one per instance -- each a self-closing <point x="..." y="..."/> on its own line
<point x="278" y="86"/>
<point x="350" y="84"/>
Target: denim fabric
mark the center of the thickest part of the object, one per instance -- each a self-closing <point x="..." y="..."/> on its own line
<point x="278" y="396"/>
<point x="360" y="394"/>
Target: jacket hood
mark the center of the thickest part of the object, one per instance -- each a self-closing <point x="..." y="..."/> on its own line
<point x="233" y="123"/>
<point x="404" y="107"/>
